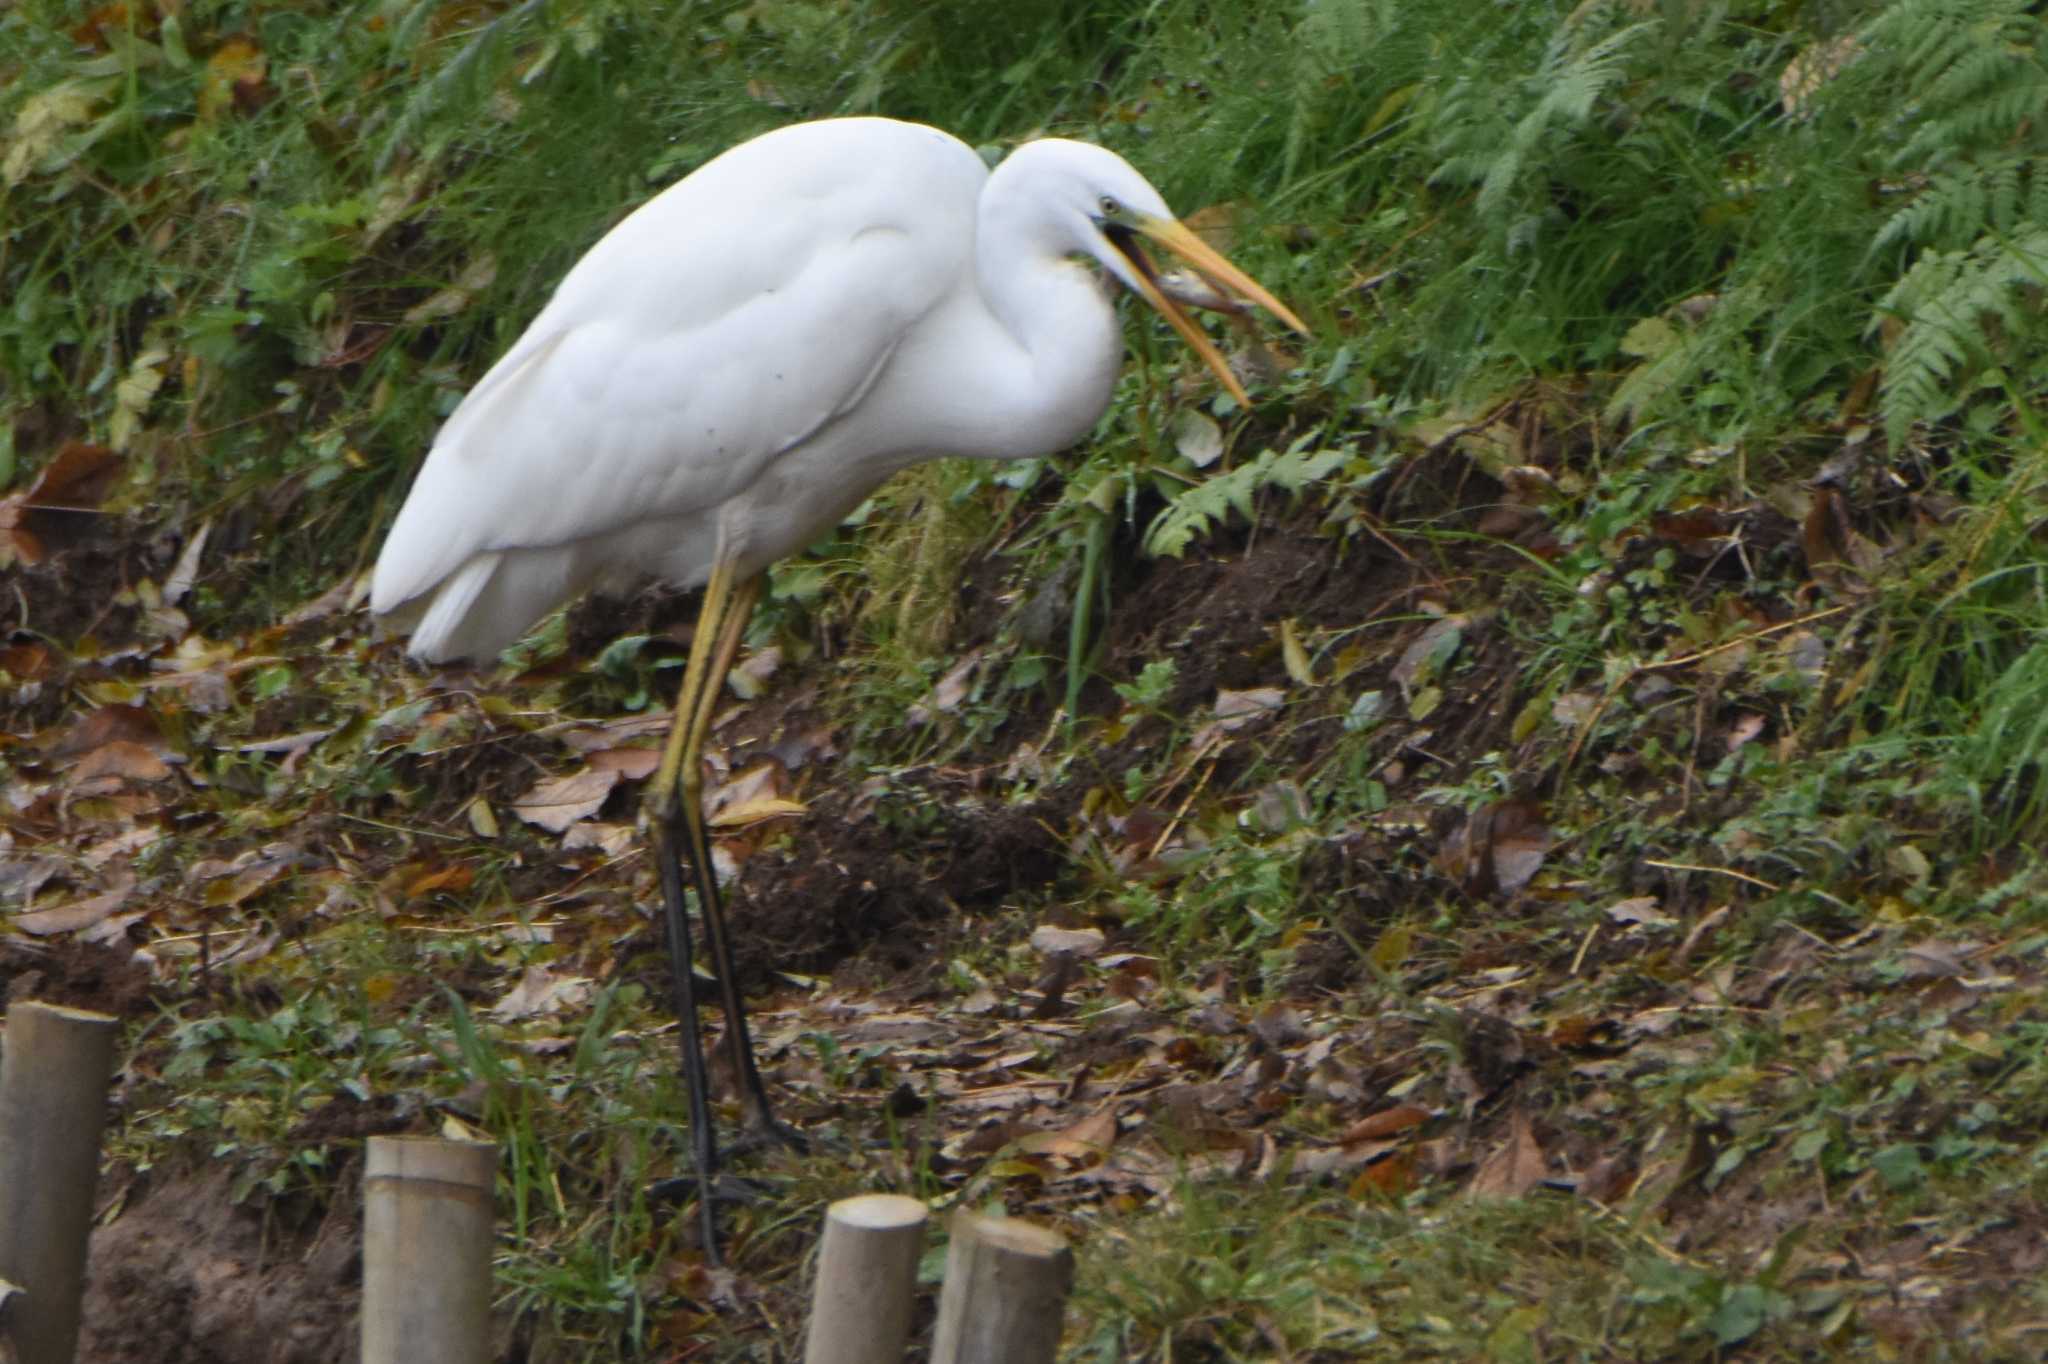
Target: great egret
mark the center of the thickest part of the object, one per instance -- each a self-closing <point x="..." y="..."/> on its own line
<point x="733" y="368"/>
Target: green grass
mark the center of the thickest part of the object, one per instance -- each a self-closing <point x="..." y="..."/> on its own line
<point x="262" y="250"/>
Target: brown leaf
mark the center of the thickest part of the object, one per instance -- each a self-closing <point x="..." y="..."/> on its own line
<point x="250" y="875"/>
<point x="557" y="802"/>
<point x="634" y="764"/>
<point x="1515" y="1167"/>
<point x="454" y="878"/>
<point x="1386" y="1178"/>
<point x="30" y="662"/>
<point x="105" y="725"/>
<point x="1498" y="850"/>
<point x="78" y="914"/>
<point x="1386" y="1123"/>
<point x="111" y="764"/>
<point x="1088" y="1139"/>
<point x="1277" y="1026"/>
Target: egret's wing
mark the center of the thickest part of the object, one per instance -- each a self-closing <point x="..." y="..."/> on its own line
<point x="717" y="327"/>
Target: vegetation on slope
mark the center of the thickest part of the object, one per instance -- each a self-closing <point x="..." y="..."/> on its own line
<point x="1520" y="846"/>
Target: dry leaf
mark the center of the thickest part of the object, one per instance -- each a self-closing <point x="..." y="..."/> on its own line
<point x="1513" y="1168"/>
<point x="1386" y="1123"/>
<point x="557" y="802"/>
<point x="1641" y="909"/>
<point x="947" y="693"/>
<point x="740" y="814"/>
<point x="540" y="991"/>
<point x="634" y="764"/>
<point x="613" y="840"/>
<point x="1197" y="437"/>
<point x="1079" y="942"/>
<point x="78" y="914"/>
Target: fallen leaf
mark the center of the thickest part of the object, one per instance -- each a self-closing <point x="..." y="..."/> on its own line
<point x="1294" y="656"/>
<point x="1746" y="727"/>
<point x="557" y="802"/>
<point x="1197" y="437"/>
<point x="746" y="812"/>
<point x="749" y="677"/>
<point x="1422" y="662"/>
<point x="1513" y="1168"/>
<point x="541" y="992"/>
<point x="104" y="725"/>
<point x="1079" y="942"/>
<point x="613" y="840"/>
<point x="454" y="877"/>
<point x="1641" y="909"/>
<point x="634" y="764"/>
<point x="122" y="760"/>
<point x="69" y="918"/>
<point x="947" y="693"/>
<point x="1386" y="1123"/>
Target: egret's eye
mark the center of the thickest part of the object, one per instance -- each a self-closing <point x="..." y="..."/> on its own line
<point x="1110" y="207"/>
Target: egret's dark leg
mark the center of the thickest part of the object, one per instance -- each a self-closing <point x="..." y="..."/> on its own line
<point x="676" y="812"/>
<point x="683" y="1000"/>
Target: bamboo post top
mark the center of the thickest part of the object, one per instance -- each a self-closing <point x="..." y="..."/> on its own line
<point x="879" y="1212"/>
<point x="61" y="1013"/>
<point x="1018" y="1237"/>
<point x="473" y="1164"/>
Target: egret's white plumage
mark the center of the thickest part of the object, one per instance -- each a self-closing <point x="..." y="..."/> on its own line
<point x="744" y="358"/>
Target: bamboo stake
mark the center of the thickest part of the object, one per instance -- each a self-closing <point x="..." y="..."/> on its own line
<point x="53" y="1104"/>
<point x="867" y="1280"/>
<point x="1005" y="1296"/>
<point x="427" y="1250"/>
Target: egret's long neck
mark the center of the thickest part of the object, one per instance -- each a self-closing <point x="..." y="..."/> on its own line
<point x="1053" y="310"/>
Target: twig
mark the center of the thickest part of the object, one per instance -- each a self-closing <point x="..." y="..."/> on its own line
<point x="1721" y="871"/>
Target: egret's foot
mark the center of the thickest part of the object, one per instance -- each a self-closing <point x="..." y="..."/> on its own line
<point x="727" y="1190"/>
<point x="763" y="1131"/>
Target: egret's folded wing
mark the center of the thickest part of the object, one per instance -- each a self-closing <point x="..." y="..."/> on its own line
<point x="712" y="330"/>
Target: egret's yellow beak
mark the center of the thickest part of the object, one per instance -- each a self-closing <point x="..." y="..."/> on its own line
<point x="1208" y="263"/>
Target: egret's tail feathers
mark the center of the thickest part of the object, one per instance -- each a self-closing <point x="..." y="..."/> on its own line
<point x="491" y="601"/>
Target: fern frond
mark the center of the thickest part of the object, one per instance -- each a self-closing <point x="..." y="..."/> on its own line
<point x="1944" y="302"/>
<point x="1959" y="206"/>
<point x="1195" y="512"/>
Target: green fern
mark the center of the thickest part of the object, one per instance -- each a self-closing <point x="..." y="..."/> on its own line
<point x="1972" y="70"/>
<point x="1481" y="145"/>
<point x="1944" y="302"/>
<point x="1958" y="206"/>
<point x="1195" y="511"/>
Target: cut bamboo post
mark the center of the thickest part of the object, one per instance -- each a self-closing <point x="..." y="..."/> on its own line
<point x="427" y="1250"/>
<point x="867" y="1280"/>
<point x="53" y="1104"/>
<point x="1005" y="1296"/>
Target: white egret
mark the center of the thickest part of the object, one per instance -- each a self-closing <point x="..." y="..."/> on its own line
<point x="740" y="362"/>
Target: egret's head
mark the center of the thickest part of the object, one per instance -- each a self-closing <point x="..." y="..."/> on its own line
<point x="1092" y="198"/>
